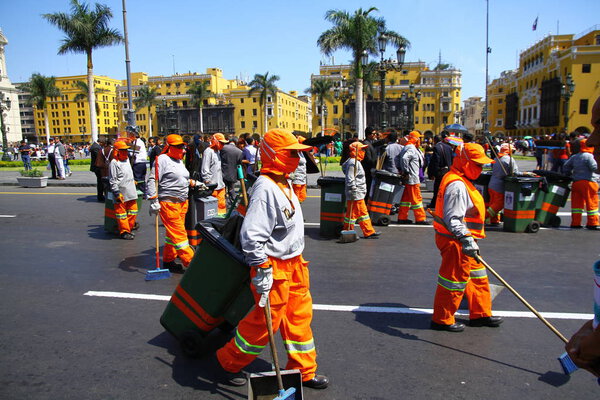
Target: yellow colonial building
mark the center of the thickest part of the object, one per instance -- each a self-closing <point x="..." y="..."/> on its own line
<point x="553" y="89"/>
<point x="70" y="119"/>
<point x="416" y="97"/>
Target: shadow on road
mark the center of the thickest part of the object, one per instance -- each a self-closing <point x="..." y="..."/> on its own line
<point x="140" y="263"/>
<point x="98" y="232"/>
<point x="89" y="199"/>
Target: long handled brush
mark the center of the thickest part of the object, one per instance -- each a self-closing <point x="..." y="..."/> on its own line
<point x="158" y="273"/>
<point x="289" y="394"/>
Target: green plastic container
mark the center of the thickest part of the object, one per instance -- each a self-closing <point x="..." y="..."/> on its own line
<point x="520" y="200"/>
<point x="214" y="292"/>
<point x="556" y="197"/>
<point x="333" y="206"/>
<point x="110" y="221"/>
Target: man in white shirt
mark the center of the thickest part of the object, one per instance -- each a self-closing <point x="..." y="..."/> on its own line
<point x="139" y="156"/>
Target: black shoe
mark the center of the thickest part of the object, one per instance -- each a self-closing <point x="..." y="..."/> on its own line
<point x="373" y="236"/>
<point x="405" y="221"/>
<point x="126" y="236"/>
<point x="136" y="226"/>
<point x="422" y="223"/>
<point x="456" y="327"/>
<point x="591" y="227"/>
<point x="576" y="227"/>
<point x="318" y="382"/>
<point x="235" y="378"/>
<point x="492" y="322"/>
<point x="173" y="267"/>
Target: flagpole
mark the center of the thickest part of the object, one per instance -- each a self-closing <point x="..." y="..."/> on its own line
<point x="487" y="52"/>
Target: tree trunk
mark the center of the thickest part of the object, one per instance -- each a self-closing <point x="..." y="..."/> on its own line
<point x="360" y="127"/>
<point x="150" y="121"/>
<point x="92" y="97"/>
<point x="266" y="119"/>
<point x="46" y="125"/>
<point x="322" y="118"/>
<point x="201" y="120"/>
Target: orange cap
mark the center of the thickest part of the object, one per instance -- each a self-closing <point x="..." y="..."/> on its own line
<point x="220" y="137"/>
<point x="120" y="145"/>
<point x="174" y="140"/>
<point x="474" y="152"/>
<point x="301" y="138"/>
<point x="415" y="135"/>
<point x="280" y="139"/>
<point x="358" y="145"/>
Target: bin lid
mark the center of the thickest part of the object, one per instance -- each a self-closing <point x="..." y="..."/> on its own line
<point x="553" y="177"/>
<point x="331" y="180"/>
<point x="523" y="179"/>
<point x="382" y="172"/>
<point x="207" y="230"/>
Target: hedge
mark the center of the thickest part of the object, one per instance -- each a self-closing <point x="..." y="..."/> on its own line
<point x="85" y="161"/>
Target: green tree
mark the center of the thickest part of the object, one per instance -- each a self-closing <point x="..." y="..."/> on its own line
<point x="41" y="89"/>
<point x="264" y="85"/>
<point x="357" y="33"/>
<point x="146" y="97"/>
<point x="321" y="89"/>
<point x="86" y="29"/>
<point x="200" y="92"/>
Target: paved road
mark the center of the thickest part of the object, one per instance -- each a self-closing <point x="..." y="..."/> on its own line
<point x="58" y="343"/>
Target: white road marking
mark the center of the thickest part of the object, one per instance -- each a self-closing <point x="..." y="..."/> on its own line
<point x="7" y="216"/>
<point x="366" y="309"/>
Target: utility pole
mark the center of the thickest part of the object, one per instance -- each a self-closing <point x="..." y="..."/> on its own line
<point x="130" y="110"/>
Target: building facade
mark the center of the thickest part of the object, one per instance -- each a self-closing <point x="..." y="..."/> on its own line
<point x="471" y="115"/>
<point x="27" y="115"/>
<point x="416" y="98"/>
<point x="552" y="90"/>
<point x="9" y="96"/>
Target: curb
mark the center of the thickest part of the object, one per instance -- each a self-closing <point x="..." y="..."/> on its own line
<point x="66" y="184"/>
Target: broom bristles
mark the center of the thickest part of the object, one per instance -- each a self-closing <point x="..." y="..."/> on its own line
<point x="156" y="274"/>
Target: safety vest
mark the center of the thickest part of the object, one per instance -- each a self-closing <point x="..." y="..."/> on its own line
<point x="474" y="224"/>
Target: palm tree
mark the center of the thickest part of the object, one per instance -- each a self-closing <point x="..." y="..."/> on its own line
<point x="84" y="92"/>
<point x="85" y="30"/>
<point x="358" y="33"/>
<point x="41" y="89"/>
<point x="200" y="92"/>
<point x="263" y="85"/>
<point x="146" y="98"/>
<point x="321" y="88"/>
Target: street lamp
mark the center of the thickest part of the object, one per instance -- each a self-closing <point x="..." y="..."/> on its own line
<point x="566" y="92"/>
<point x="343" y="94"/>
<point x="382" y="68"/>
<point x="5" y="104"/>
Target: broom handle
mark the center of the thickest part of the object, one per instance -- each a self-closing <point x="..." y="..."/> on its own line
<point x="267" y="309"/>
<point x="513" y="291"/>
<point x="156" y="177"/>
<point x="157" y="251"/>
<point x="352" y="204"/>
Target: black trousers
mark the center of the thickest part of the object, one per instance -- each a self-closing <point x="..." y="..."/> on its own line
<point x="99" y="185"/>
<point x="230" y="192"/>
<point x="52" y="161"/>
<point x="139" y="175"/>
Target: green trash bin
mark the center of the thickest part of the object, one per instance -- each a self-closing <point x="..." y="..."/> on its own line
<point x="556" y="197"/>
<point x="520" y="199"/>
<point x="110" y="221"/>
<point x="214" y="291"/>
<point x="333" y="205"/>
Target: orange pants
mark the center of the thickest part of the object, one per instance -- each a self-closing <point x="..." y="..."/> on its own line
<point x="222" y="203"/>
<point x="176" y="240"/>
<point x="291" y="310"/>
<point x="459" y="275"/>
<point x="356" y="211"/>
<point x="411" y="199"/>
<point x="300" y="191"/>
<point x="496" y="205"/>
<point x="584" y="195"/>
<point x="126" y="213"/>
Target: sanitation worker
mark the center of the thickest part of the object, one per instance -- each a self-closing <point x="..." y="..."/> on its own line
<point x="584" y="191"/>
<point x="504" y="165"/>
<point x="272" y="239"/>
<point x="171" y="201"/>
<point x="460" y="206"/>
<point x="411" y="161"/>
<point x="299" y="175"/>
<point x="211" y="169"/>
<point x="356" y="190"/>
<point x="122" y="186"/>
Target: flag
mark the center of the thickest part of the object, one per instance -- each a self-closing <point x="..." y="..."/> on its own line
<point x="534" y="27"/>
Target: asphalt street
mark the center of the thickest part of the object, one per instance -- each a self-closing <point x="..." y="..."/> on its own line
<point x="59" y="343"/>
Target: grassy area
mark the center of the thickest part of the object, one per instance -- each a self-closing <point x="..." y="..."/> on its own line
<point x="43" y="168"/>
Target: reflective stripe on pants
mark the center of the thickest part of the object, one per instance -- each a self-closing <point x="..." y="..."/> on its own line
<point x="176" y="240"/>
<point x="411" y="199"/>
<point x="126" y="214"/>
<point x="584" y="195"/>
<point x="291" y="311"/>
<point x="459" y="275"/>
<point x="359" y="214"/>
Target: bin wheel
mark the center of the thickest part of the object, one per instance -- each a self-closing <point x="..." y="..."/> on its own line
<point x="555" y="221"/>
<point x="384" y="221"/>
<point x="533" y="227"/>
<point x="192" y="344"/>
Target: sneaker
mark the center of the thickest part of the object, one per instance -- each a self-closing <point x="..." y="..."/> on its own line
<point x="591" y="227"/>
<point x="456" y="327"/>
<point x="405" y="221"/>
<point x="136" y="226"/>
<point x="374" y="235"/>
<point x="126" y="236"/>
<point x="576" y="227"/>
<point x="422" y="223"/>
<point x="235" y="378"/>
<point x="318" y="382"/>
<point x="173" y="267"/>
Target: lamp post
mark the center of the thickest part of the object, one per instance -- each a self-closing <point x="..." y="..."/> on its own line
<point x="5" y="104"/>
<point x="384" y="66"/>
<point x="343" y="94"/>
<point x="566" y="92"/>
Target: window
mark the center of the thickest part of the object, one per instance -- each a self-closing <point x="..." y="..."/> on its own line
<point x="254" y="99"/>
<point x="498" y="122"/>
<point x="242" y="112"/>
<point x="335" y="110"/>
<point x="583" y="106"/>
<point x="254" y="112"/>
<point x="254" y="124"/>
<point x="500" y="101"/>
<point x="243" y="124"/>
<point x="242" y="101"/>
<point x="586" y="68"/>
<point x="445" y="120"/>
<point x="500" y="112"/>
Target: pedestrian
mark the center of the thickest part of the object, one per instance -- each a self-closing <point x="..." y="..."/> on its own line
<point x="231" y="157"/>
<point x="505" y="165"/>
<point x="461" y="209"/>
<point x="594" y="139"/>
<point x="584" y="191"/>
<point x="561" y="155"/>
<point x="122" y="187"/>
<point x="59" y="156"/>
<point x="70" y="155"/>
<point x="139" y="157"/>
<point x="440" y="163"/>
<point x="95" y="150"/>
<point x="272" y="240"/>
<point x="155" y="151"/>
<point x="25" y="151"/>
<point x="211" y="169"/>
<point x="193" y="156"/>
<point x="411" y="162"/>
<point x="370" y="160"/>
<point x="299" y="175"/>
<point x="356" y="190"/>
<point x="392" y="153"/>
<point x="171" y="201"/>
<point x="52" y="157"/>
<point x="250" y="155"/>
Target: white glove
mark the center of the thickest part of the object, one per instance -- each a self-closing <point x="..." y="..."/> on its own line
<point x="198" y="185"/>
<point x="469" y="246"/>
<point x="263" y="281"/>
<point x="154" y="207"/>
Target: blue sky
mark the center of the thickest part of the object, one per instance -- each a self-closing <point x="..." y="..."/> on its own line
<point x="248" y="37"/>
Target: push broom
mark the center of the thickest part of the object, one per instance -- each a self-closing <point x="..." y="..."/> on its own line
<point x="158" y="273"/>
